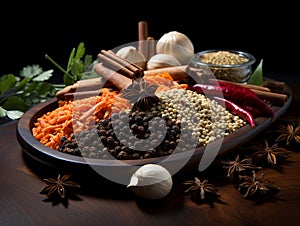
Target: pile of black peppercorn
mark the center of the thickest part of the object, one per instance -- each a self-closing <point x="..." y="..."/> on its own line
<point x="126" y="135"/>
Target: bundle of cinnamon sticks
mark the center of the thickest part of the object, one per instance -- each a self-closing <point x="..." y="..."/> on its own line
<point x="110" y="60"/>
<point x="116" y="80"/>
<point x="146" y="43"/>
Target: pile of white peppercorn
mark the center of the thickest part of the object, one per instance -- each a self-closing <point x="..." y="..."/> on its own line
<point x="205" y="117"/>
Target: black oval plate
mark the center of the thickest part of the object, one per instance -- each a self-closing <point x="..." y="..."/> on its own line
<point x="190" y="160"/>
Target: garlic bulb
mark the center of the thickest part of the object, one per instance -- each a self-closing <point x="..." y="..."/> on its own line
<point x="161" y="61"/>
<point x="131" y="54"/>
<point x="151" y="181"/>
<point x="177" y="45"/>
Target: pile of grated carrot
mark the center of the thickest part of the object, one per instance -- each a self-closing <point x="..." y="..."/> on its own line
<point x="164" y="80"/>
<point x="75" y="116"/>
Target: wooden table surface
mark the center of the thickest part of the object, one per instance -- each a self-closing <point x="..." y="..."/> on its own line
<point x="104" y="203"/>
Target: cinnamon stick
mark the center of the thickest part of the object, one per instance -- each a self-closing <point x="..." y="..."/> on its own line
<point x="265" y="93"/>
<point x="255" y="87"/>
<point x="249" y="86"/>
<point x="81" y="94"/>
<point x="89" y="87"/>
<point x="124" y="67"/>
<point x="108" y="62"/>
<point x="122" y="61"/>
<point x="151" y="47"/>
<point x="79" y="86"/>
<point x="275" y="85"/>
<point x="142" y="37"/>
<point x="118" y="80"/>
<point x="275" y="98"/>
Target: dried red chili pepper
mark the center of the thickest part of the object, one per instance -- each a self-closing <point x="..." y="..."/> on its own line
<point x="233" y="92"/>
<point x="255" y="112"/>
<point x="237" y="110"/>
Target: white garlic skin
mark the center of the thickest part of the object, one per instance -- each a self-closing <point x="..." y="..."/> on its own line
<point x="131" y="54"/>
<point x="177" y="45"/>
<point x="161" y="61"/>
<point x="151" y="181"/>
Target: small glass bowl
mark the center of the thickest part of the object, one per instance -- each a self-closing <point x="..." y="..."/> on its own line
<point x="230" y="65"/>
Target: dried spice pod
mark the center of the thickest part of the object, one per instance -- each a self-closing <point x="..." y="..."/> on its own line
<point x="257" y="187"/>
<point x="201" y="190"/>
<point x="289" y="134"/>
<point x="59" y="187"/>
<point x="268" y="154"/>
<point x="140" y="94"/>
<point x="237" y="167"/>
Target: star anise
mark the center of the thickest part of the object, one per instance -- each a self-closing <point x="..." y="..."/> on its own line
<point x="202" y="190"/>
<point x="288" y="134"/>
<point x="141" y="94"/>
<point x="253" y="186"/>
<point x="237" y="166"/>
<point x="269" y="153"/>
<point x="59" y="186"/>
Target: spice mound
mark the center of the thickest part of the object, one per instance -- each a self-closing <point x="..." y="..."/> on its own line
<point x="180" y="121"/>
<point x="222" y="58"/>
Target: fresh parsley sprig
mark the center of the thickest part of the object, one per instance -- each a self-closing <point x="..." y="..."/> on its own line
<point x="79" y="67"/>
<point x="33" y="86"/>
<point x="18" y="93"/>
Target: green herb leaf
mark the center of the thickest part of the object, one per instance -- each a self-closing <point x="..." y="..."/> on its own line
<point x="15" y="114"/>
<point x="7" y="82"/>
<point x="77" y="69"/>
<point x="2" y="112"/>
<point x="257" y="76"/>
<point x="44" y="76"/>
<point x="89" y="69"/>
<point x="88" y="60"/>
<point x="80" y="51"/>
<point x="15" y="103"/>
<point x="75" y="65"/>
<point x="18" y="94"/>
<point x="71" y="60"/>
<point x="22" y="84"/>
<point x="31" y="71"/>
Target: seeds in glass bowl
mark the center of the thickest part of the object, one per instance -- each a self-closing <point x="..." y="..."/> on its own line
<point x="235" y="66"/>
<point x="222" y="58"/>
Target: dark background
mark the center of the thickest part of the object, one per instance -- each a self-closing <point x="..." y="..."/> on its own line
<point x="29" y="31"/>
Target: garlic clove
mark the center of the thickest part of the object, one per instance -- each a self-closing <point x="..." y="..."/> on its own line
<point x="177" y="45"/>
<point x="131" y="54"/>
<point x="151" y="181"/>
<point x="162" y="61"/>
